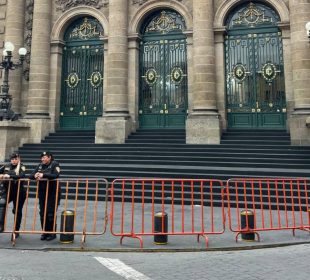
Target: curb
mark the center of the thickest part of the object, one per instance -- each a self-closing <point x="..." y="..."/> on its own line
<point x="152" y="250"/>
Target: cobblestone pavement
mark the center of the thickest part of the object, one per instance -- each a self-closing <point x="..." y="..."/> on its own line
<point x="272" y="263"/>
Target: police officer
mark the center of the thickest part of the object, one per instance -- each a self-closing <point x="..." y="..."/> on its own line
<point x="15" y="170"/>
<point x="46" y="173"/>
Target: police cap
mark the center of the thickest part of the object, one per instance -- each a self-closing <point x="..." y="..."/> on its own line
<point x="14" y="155"/>
<point x="46" y="153"/>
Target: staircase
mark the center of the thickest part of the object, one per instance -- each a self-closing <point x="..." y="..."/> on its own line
<point x="164" y="154"/>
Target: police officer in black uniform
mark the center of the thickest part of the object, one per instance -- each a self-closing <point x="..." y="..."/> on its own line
<point x="46" y="173"/>
<point x="15" y="170"/>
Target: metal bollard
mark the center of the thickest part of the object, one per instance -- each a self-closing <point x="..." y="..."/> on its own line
<point x="247" y="221"/>
<point x="161" y="225"/>
<point x="68" y="217"/>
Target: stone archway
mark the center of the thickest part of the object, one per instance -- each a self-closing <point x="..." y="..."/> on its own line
<point x="254" y="68"/>
<point x="151" y="6"/>
<point x="163" y="86"/>
<point x="225" y="8"/>
<point x="57" y="44"/>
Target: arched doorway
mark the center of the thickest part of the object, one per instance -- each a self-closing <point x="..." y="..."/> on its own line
<point x="255" y="87"/>
<point x="82" y="75"/>
<point x="163" y="71"/>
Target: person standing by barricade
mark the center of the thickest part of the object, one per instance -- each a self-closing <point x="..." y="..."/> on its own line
<point x="46" y="173"/>
<point x="15" y="189"/>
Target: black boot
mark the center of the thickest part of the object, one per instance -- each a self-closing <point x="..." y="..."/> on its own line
<point x="43" y="236"/>
<point x="50" y="237"/>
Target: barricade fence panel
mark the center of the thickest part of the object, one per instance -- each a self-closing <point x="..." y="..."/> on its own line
<point x="193" y="207"/>
<point x="276" y="204"/>
<point x="86" y="198"/>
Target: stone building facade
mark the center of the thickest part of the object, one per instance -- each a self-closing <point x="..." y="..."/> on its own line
<point x="119" y="65"/>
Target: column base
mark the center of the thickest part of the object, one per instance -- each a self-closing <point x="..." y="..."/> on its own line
<point x="300" y="128"/>
<point x="39" y="128"/>
<point x="203" y="129"/>
<point x="113" y="129"/>
<point x="12" y="135"/>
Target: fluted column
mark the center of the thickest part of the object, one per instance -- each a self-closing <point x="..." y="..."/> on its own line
<point x="202" y="125"/>
<point x="38" y="95"/>
<point x="115" y="125"/>
<point x="204" y="56"/>
<point x="39" y="78"/>
<point x="14" y="32"/>
<point x="300" y="55"/>
<point x="117" y="98"/>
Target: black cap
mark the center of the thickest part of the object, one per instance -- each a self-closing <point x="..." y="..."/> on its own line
<point x="14" y="155"/>
<point x="46" y="153"/>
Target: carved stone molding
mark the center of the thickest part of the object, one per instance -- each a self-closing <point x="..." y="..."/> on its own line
<point x="140" y="2"/>
<point x="67" y="4"/>
<point x="28" y="37"/>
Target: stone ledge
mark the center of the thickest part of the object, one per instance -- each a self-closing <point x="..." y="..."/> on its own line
<point x="12" y="135"/>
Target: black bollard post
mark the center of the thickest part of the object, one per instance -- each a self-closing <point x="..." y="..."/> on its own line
<point x="247" y="221"/>
<point x="161" y="225"/>
<point x="68" y="217"/>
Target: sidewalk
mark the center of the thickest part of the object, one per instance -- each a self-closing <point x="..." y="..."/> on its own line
<point x="108" y="242"/>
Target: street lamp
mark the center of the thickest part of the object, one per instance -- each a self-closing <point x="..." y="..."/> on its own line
<point x="308" y="29"/>
<point x="6" y="113"/>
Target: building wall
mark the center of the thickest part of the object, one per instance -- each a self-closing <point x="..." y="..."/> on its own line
<point x="65" y="12"/>
<point x="2" y="27"/>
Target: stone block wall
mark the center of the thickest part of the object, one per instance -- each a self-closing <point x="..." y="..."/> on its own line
<point x="2" y="27"/>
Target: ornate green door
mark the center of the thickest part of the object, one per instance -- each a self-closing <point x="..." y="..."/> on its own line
<point x="255" y="91"/>
<point x="163" y="72"/>
<point x="82" y="76"/>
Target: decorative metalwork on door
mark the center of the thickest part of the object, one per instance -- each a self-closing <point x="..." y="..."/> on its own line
<point x="255" y="87"/>
<point x="82" y="76"/>
<point x="163" y="72"/>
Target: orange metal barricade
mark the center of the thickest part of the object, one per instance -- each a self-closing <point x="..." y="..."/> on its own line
<point x="193" y="207"/>
<point x="277" y="204"/>
<point x="87" y="198"/>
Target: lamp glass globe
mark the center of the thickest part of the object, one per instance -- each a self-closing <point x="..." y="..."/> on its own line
<point x="22" y="51"/>
<point x="9" y="46"/>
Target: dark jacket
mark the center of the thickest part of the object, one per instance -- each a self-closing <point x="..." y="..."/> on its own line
<point x="50" y="172"/>
<point x="16" y="172"/>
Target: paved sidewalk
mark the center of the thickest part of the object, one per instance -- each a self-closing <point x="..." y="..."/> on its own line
<point x="108" y="242"/>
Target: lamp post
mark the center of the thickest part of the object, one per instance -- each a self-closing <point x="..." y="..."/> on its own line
<point x="6" y="113"/>
<point x="308" y="29"/>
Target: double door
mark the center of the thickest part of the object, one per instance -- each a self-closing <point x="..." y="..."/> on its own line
<point x="82" y="86"/>
<point x="255" y="91"/>
<point x="163" y="82"/>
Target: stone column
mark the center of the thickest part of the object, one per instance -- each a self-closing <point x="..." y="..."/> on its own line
<point x="14" y="32"/>
<point x="55" y="82"/>
<point x="39" y="77"/>
<point x="300" y="54"/>
<point x="14" y="134"/>
<point x="133" y="79"/>
<point x="220" y="76"/>
<point x="202" y="126"/>
<point x="115" y="125"/>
